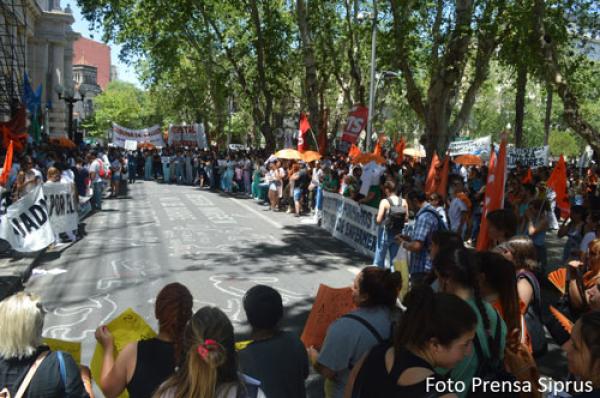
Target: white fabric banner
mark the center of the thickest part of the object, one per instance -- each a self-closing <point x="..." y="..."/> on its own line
<point x="192" y="135"/>
<point x="480" y="146"/>
<point x="26" y="225"/>
<point x="62" y="207"/>
<point x="527" y="157"/>
<point x="153" y="135"/>
<point x="352" y="224"/>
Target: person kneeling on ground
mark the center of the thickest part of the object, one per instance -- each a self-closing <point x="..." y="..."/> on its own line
<point x="276" y="358"/>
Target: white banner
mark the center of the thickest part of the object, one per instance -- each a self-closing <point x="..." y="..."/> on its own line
<point x="347" y="221"/>
<point x="527" y="157"/>
<point x="153" y="135"/>
<point x="192" y="135"/>
<point x="480" y="147"/>
<point x="26" y="225"/>
<point x="131" y="145"/>
<point x="62" y="207"/>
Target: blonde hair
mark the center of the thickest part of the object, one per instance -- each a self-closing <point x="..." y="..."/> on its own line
<point x="202" y="376"/>
<point x="21" y="323"/>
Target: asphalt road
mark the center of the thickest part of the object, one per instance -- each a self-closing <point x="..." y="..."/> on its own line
<point x="217" y="245"/>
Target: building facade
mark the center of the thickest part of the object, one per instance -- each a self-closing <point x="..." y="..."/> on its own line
<point x="36" y="37"/>
<point x="96" y="54"/>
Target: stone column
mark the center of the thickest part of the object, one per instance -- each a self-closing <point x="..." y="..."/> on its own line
<point x="56" y="67"/>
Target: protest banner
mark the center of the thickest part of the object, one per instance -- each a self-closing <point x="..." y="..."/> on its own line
<point x="329" y="305"/>
<point x="70" y="347"/>
<point x="26" y="225"/>
<point x="357" y="120"/>
<point x="349" y="222"/>
<point x="192" y="136"/>
<point x="480" y="147"/>
<point x="528" y="157"/>
<point x="62" y="207"/>
<point x="152" y="135"/>
<point x="130" y="145"/>
<point x="127" y="328"/>
<point x="238" y="147"/>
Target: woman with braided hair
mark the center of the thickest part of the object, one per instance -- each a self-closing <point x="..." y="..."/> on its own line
<point x="142" y="366"/>
<point x="458" y="273"/>
<point x="209" y="367"/>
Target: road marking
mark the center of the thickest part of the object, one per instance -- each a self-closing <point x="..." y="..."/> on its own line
<point x="250" y="209"/>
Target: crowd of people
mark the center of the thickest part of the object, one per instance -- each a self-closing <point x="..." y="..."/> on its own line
<point x="469" y="315"/>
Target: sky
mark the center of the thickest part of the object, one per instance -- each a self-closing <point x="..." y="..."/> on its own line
<point x="125" y="72"/>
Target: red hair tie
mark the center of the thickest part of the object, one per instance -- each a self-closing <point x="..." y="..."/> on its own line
<point x="203" y="348"/>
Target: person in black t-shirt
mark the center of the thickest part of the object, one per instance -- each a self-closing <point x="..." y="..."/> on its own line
<point x="277" y="358"/>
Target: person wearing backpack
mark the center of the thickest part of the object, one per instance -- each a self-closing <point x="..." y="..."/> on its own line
<point x="29" y="369"/>
<point x="435" y="332"/>
<point x="391" y="217"/>
<point x="375" y="292"/>
<point x="427" y="221"/>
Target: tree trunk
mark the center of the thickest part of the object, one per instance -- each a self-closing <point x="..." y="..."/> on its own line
<point x="310" y="65"/>
<point x="548" y="117"/>
<point x="520" y="103"/>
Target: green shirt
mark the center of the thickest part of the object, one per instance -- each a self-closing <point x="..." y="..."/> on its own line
<point x="376" y="189"/>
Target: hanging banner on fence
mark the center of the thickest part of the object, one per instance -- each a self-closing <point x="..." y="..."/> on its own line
<point x="152" y="135"/>
<point x="528" y="157"/>
<point x="357" y="120"/>
<point x="26" y="225"/>
<point x="352" y="224"/>
<point x="62" y="207"/>
<point x="480" y="147"/>
<point x="192" y="135"/>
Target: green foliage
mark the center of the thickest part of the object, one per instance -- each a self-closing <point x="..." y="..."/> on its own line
<point x="564" y="143"/>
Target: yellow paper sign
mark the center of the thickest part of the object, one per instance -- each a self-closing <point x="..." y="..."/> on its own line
<point x="127" y="328"/>
<point x="70" y="347"/>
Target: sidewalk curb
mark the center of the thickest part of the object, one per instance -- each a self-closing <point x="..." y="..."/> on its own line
<point x="13" y="281"/>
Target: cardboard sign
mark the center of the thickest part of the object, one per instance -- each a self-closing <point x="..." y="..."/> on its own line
<point x="128" y="327"/>
<point x="329" y="305"/>
<point x="70" y="347"/>
<point x="130" y="145"/>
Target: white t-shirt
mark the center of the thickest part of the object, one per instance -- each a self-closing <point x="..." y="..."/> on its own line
<point x="95" y="168"/>
<point x="457" y="207"/>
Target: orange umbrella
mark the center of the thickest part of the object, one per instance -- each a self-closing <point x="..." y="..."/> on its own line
<point x="369" y="157"/>
<point x="63" y="142"/>
<point x="469" y="160"/>
<point x="288" y="154"/>
<point x="311" y="156"/>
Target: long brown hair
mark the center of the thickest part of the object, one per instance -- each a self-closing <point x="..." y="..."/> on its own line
<point x="173" y="309"/>
<point x="522" y="250"/>
<point x="200" y="376"/>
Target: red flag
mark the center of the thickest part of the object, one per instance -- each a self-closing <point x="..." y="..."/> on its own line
<point x="8" y="160"/>
<point x="431" y="183"/>
<point x="354" y="151"/>
<point x="442" y="180"/>
<point x="400" y="151"/>
<point x="494" y="193"/>
<point x="558" y="182"/>
<point x="303" y="128"/>
<point x="528" y="179"/>
<point x="16" y="130"/>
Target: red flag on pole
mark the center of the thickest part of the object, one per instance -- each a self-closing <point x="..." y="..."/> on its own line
<point x="528" y="179"/>
<point x="400" y="151"/>
<point x="431" y="183"/>
<point x="558" y="183"/>
<point x="304" y="126"/>
<point x="8" y="160"/>
<point x="494" y="193"/>
<point x="442" y="184"/>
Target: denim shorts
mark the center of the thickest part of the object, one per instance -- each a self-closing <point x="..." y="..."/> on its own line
<point x="297" y="194"/>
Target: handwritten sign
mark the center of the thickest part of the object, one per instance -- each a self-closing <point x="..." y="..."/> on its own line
<point x="329" y="305"/>
<point x="128" y="327"/>
<point x="70" y="347"/>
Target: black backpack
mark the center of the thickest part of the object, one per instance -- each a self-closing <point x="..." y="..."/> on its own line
<point x="533" y="316"/>
<point x="491" y="369"/>
<point x="395" y="218"/>
<point x="441" y="224"/>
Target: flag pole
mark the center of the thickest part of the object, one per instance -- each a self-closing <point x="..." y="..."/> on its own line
<point x="315" y="138"/>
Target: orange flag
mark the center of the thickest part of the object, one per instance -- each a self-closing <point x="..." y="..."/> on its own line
<point x="558" y="183"/>
<point x="442" y="184"/>
<point x="400" y="151"/>
<point x="354" y="151"/>
<point x="378" y="149"/>
<point x="528" y="179"/>
<point x="8" y="160"/>
<point x="494" y="193"/>
<point x="431" y="183"/>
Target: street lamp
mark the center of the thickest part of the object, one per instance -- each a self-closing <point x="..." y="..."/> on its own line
<point x="67" y="94"/>
<point x="373" y="17"/>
